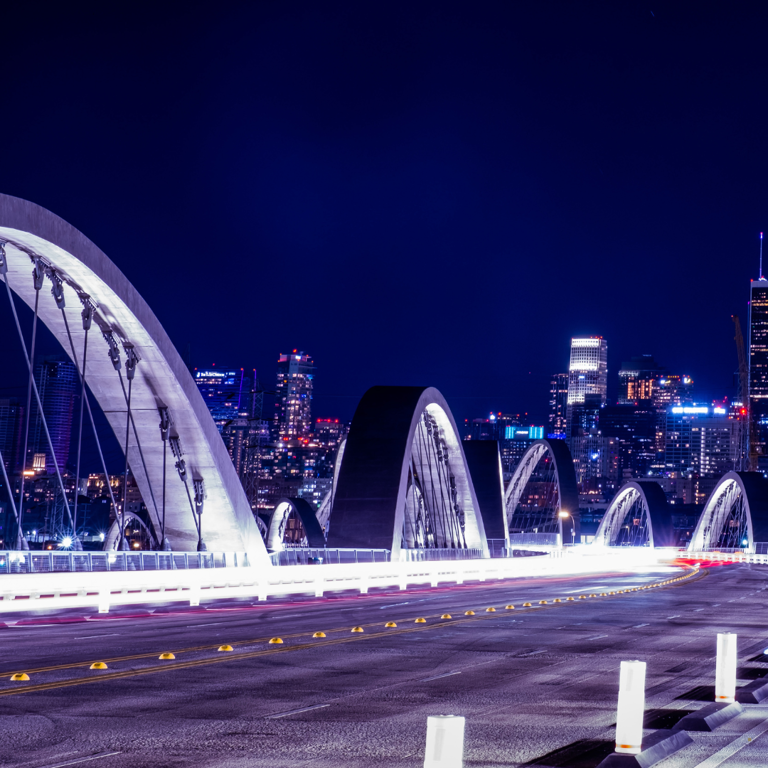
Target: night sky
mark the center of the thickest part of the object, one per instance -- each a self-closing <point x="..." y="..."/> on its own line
<point x="413" y="193"/>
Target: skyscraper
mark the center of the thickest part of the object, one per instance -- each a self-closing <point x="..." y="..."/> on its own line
<point x="588" y="369"/>
<point x="558" y="405"/>
<point x="758" y="367"/>
<point x="227" y="392"/>
<point x="638" y="378"/>
<point x="57" y="383"/>
<point x="587" y="384"/>
<point x="295" y="373"/>
<point x="10" y="433"/>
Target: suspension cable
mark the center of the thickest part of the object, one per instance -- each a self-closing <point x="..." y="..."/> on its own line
<point x="89" y="309"/>
<point x="165" y="427"/>
<point x="87" y="318"/>
<point x="38" y="401"/>
<point x="10" y="490"/>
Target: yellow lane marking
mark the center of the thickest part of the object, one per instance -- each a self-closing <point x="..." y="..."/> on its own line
<point x="194" y="649"/>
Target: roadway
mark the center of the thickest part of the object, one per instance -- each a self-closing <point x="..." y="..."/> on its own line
<point x="537" y="685"/>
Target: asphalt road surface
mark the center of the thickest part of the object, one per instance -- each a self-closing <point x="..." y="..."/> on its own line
<point x="538" y="685"/>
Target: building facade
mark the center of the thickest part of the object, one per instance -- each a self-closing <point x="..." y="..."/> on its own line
<point x="295" y="375"/>
<point x="558" y="405"/>
<point x="758" y="367"/>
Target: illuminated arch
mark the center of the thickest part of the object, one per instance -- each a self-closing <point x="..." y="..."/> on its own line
<point x="736" y="511"/>
<point x="324" y="512"/>
<point x="32" y="235"/>
<point x="557" y="452"/>
<point x="404" y="481"/>
<point x="306" y="527"/>
<point x="637" y="516"/>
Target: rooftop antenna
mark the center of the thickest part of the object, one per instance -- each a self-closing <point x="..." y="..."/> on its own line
<point x="761" y="257"/>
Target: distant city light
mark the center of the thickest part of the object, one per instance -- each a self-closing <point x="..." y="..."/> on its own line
<point x="690" y="409"/>
<point x="66" y="542"/>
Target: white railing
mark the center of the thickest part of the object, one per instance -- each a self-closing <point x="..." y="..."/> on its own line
<point x="83" y="589"/>
<point x="34" y="561"/>
<point x="728" y="557"/>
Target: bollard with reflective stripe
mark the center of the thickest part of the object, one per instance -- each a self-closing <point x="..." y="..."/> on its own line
<point x="725" y="672"/>
<point x="445" y="742"/>
<point x="629" y="718"/>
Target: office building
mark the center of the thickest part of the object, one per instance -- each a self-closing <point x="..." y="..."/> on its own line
<point x="758" y="367"/>
<point x="638" y="379"/>
<point x="295" y="374"/>
<point x="558" y="405"/>
<point x="701" y="440"/>
<point x="11" y="421"/>
<point x="58" y="385"/>
<point x="587" y="384"/>
<point x="228" y="392"/>
<point x="635" y="428"/>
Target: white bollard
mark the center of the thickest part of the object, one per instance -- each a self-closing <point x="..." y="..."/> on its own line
<point x="104" y="602"/>
<point x="629" y="718"/>
<point x="725" y="672"/>
<point x="445" y="742"/>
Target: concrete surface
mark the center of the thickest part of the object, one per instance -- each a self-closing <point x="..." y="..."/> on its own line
<point x="538" y="686"/>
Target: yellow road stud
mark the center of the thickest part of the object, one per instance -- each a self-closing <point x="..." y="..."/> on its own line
<point x="420" y="621"/>
<point x="358" y="629"/>
<point x="490" y="610"/>
<point x="569" y="598"/>
<point x="527" y="605"/>
<point x="319" y="634"/>
<point x="557" y="600"/>
<point x="276" y="641"/>
<point x="592" y="595"/>
<point x="390" y="624"/>
<point x="226" y="648"/>
<point x="542" y="602"/>
<point x="446" y="616"/>
<point x="510" y="607"/>
<point x="98" y="665"/>
<point x="611" y="593"/>
<point x="469" y="613"/>
<point x="166" y="656"/>
<point x="20" y="677"/>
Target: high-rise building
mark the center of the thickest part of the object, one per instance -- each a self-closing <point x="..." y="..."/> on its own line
<point x="588" y="369"/>
<point x="638" y="379"/>
<point x="558" y="405"/>
<point x="228" y="393"/>
<point x="10" y="433"/>
<point x="701" y="439"/>
<point x="635" y="428"/>
<point x="669" y="390"/>
<point x="295" y="374"/>
<point x="758" y="367"/>
<point x="57" y="384"/>
<point x="587" y="384"/>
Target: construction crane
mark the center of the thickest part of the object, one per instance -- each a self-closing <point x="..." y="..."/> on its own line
<point x="747" y="453"/>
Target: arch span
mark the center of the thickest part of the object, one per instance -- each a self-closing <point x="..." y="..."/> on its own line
<point x="33" y="235"/>
<point x="637" y="516"/>
<point x="735" y="512"/>
<point x="555" y="451"/>
<point x="404" y="481"/>
<point x="307" y="534"/>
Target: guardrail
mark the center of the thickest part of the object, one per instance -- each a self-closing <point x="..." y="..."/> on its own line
<point x="33" y="561"/>
<point x="28" y="592"/>
<point x="727" y="557"/>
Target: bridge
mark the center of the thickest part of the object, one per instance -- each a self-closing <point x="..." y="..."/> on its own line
<point x="406" y="488"/>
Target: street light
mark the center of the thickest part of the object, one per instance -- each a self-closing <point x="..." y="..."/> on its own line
<point x="562" y="515"/>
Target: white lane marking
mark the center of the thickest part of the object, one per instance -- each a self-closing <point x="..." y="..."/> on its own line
<point x="82" y="760"/>
<point x="637" y="626"/>
<point x="595" y="637"/>
<point x="735" y="746"/>
<point x="714" y="605"/>
<point x="217" y="624"/>
<point x="676" y="616"/>
<point x="88" y="637"/>
<point x="437" y="677"/>
<point x="296" y="711"/>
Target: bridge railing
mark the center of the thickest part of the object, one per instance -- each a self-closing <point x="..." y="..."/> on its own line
<point x="309" y="556"/>
<point x="14" y="562"/>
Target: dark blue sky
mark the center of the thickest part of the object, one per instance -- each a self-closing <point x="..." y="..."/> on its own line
<point x="414" y="193"/>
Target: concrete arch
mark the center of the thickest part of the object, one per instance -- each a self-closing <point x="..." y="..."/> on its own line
<point x="567" y="490"/>
<point x="484" y="462"/>
<point x="298" y="508"/>
<point x="324" y="512"/>
<point x="746" y="492"/>
<point x="31" y="232"/>
<point x="113" y="535"/>
<point x="369" y="508"/>
<point x="656" y="517"/>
